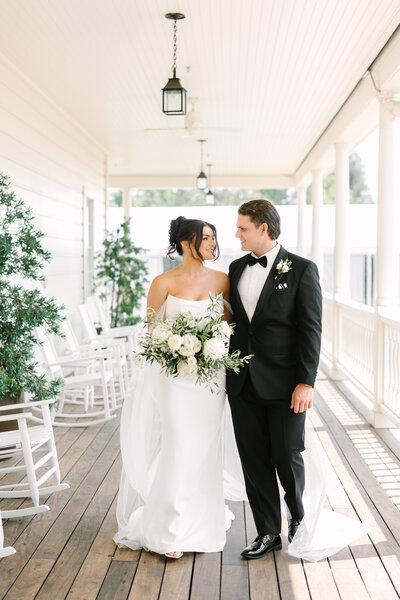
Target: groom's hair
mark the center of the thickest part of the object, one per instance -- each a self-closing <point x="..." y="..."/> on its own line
<point x="263" y="211"/>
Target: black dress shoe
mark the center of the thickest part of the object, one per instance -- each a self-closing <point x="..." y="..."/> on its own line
<point x="262" y="545"/>
<point x="293" y="525"/>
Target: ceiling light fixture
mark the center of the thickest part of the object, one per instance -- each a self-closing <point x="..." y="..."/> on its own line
<point x="210" y="198"/>
<point x="173" y="94"/>
<point x="201" y="177"/>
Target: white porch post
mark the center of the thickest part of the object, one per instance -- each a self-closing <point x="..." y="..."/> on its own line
<point x="316" y="201"/>
<point x="387" y="252"/>
<point x="341" y="288"/>
<point x="126" y="202"/>
<point x="301" y="203"/>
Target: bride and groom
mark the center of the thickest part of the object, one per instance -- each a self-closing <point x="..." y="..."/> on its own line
<point x="174" y="439"/>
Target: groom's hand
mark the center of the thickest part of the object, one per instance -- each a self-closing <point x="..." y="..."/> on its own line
<point x="302" y="398"/>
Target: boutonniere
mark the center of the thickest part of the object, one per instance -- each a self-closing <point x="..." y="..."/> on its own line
<point x="283" y="266"/>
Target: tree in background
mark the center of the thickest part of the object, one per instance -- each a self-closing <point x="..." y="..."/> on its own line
<point x="120" y="276"/>
<point x="22" y="305"/>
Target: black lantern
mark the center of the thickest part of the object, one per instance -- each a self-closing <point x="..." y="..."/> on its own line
<point x="173" y="94"/>
<point x="210" y="198"/>
<point x="201" y="177"/>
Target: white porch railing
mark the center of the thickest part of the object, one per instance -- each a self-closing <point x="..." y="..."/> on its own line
<point x="350" y="342"/>
<point x="391" y="364"/>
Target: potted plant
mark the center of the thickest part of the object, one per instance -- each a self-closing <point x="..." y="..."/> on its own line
<point x="22" y="305"/>
<point x="120" y="276"/>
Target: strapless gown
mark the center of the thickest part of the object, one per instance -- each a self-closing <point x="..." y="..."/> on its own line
<point x="171" y="495"/>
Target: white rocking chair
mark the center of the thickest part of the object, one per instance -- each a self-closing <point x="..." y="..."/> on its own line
<point x="4" y="550"/>
<point x="79" y="389"/>
<point x="28" y="443"/>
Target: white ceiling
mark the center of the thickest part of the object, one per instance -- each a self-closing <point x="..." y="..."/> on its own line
<point x="279" y="70"/>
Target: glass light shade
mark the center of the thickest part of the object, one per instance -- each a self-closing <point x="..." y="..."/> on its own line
<point x="210" y="198"/>
<point x="201" y="181"/>
<point x="174" y="98"/>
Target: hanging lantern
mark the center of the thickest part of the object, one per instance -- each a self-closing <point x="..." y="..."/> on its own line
<point x="174" y="94"/>
<point x="201" y="177"/>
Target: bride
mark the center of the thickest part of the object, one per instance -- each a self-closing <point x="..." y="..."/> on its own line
<point x="171" y="498"/>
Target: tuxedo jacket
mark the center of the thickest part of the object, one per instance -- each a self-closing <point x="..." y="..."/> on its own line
<point x="284" y="334"/>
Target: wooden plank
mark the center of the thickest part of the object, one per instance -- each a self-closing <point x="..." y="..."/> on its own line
<point x="291" y="575"/>
<point x="360" y="469"/>
<point x="319" y="577"/>
<point x="177" y="578"/>
<point x="27" y="586"/>
<point x="263" y="580"/>
<point x="206" y="581"/>
<point x="126" y="554"/>
<point x="91" y="574"/>
<point x="236" y="537"/>
<point x="80" y="457"/>
<point x="148" y="579"/>
<point x="117" y="582"/>
<point x="235" y="582"/>
<point x="347" y="576"/>
<point x="86" y="522"/>
<point x="366" y="510"/>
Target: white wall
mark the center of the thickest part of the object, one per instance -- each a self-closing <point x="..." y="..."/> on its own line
<point x="51" y="160"/>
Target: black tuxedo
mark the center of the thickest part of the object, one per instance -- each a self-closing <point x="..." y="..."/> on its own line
<point x="284" y="337"/>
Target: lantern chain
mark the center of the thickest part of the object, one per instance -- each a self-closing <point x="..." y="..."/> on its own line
<point x="175" y="49"/>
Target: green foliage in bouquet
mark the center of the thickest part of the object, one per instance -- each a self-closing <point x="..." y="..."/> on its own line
<point x="120" y="276"/>
<point x="192" y="346"/>
<point x="22" y="258"/>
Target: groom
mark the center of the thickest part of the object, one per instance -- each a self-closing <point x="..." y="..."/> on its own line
<point x="276" y="302"/>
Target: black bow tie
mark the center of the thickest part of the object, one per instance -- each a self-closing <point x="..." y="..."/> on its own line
<point x="252" y="260"/>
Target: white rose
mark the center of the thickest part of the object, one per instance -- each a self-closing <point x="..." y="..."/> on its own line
<point x="175" y="341"/>
<point x="190" y="345"/>
<point x="161" y="332"/>
<point x="139" y="359"/>
<point x="222" y="329"/>
<point x="214" y="348"/>
<point x="187" y="369"/>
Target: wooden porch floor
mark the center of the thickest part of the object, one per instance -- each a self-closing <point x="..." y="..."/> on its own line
<point x="68" y="552"/>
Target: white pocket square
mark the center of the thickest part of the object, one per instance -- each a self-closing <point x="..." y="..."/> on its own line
<point x="281" y="286"/>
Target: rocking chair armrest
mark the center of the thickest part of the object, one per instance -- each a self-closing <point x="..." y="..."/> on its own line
<point x="15" y="416"/>
<point x="65" y="361"/>
<point x="125" y="330"/>
<point x="72" y="362"/>
<point x="26" y="404"/>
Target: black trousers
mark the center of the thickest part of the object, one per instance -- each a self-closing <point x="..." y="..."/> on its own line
<point x="270" y="439"/>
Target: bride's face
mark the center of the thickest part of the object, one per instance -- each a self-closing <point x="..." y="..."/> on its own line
<point x="208" y="244"/>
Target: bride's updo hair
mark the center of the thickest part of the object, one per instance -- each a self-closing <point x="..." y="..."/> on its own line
<point x="189" y="230"/>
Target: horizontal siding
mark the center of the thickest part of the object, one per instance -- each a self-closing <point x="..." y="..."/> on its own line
<point x="51" y="160"/>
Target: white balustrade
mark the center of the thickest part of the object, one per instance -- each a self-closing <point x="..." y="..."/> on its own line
<point x="357" y="359"/>
<point x="327" y="325"/>
<point x="391" y="365"/>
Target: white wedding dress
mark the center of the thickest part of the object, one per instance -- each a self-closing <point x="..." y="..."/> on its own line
<point x="180" y="463"/>
<point x="171" y="496"/>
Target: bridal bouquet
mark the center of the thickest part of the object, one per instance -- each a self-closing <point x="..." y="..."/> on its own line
<point x="192" y="346"/>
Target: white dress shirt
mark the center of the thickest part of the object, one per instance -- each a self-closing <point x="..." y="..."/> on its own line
<point x="253" y="279"/>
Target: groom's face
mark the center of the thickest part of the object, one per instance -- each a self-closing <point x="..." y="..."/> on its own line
<point x="251" y="237"/>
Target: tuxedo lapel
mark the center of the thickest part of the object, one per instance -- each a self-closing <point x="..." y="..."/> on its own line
<point x="235" y="277"/>
<point x="270" y="283"/>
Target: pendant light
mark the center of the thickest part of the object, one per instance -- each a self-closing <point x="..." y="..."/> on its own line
<point x="201" y="177"/>
<point x="173" y="94"/>
<point x="210" y="198"/>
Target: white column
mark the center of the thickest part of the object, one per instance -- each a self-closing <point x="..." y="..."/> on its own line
<point x="301" y="203"/>
<point x="341" y="285"/>
<point x="126" y="201"/>
<point x="342" y="201"/>
<point x="316" y="201"/>
<point x="387" y="252"/>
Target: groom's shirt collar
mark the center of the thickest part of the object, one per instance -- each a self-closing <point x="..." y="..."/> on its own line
<point x="253" y="279"/>
<point x="271" y="255"/>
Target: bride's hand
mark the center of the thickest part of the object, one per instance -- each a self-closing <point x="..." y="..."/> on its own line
<point x="302" y="398"/>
